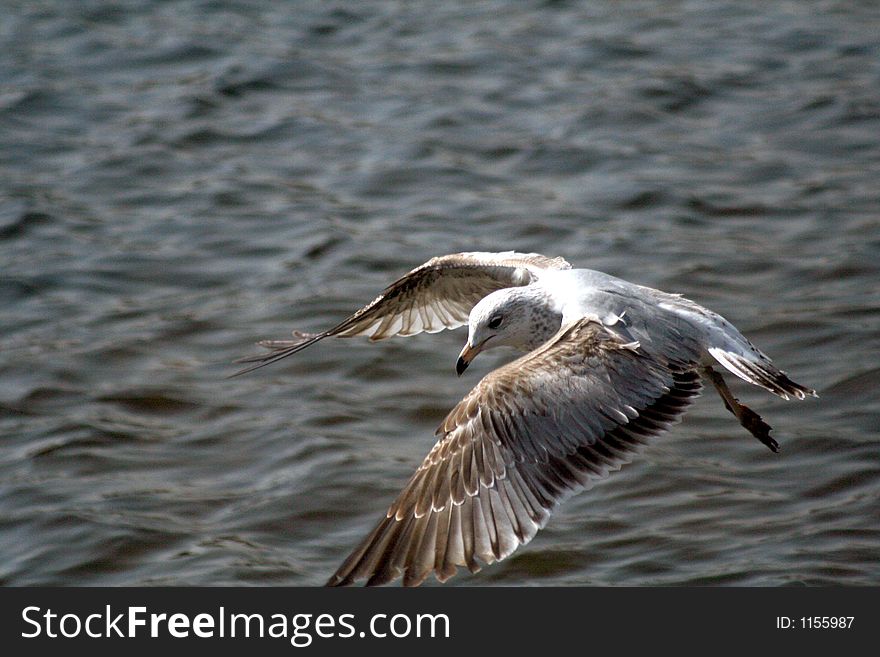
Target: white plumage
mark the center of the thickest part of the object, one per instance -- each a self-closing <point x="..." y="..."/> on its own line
<point x="608" y="364"/>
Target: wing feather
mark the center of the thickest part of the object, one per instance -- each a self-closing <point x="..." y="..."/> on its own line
<point x="527" y="436"/>
<point x="434" y="296"/>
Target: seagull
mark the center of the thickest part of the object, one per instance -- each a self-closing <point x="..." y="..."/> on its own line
<point x="607" y="365"/>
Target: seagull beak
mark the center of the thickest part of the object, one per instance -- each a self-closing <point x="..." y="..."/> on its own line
<point x="466" y="356"/>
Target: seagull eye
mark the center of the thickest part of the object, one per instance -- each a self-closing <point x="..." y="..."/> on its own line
<point x="495" y="321"/>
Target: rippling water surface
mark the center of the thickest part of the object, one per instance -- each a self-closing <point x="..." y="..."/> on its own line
<point x="181" y="179"/>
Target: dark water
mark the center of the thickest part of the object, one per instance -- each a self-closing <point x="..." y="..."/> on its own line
<point x="180" y="179"/>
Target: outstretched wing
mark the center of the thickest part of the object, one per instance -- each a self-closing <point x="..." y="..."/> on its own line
<point x="435" y="296"/>
<point x="524" y="438"/>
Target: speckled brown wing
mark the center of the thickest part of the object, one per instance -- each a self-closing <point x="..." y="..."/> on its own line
<point x="434" y="296"/>
<point x="524" y="438"/>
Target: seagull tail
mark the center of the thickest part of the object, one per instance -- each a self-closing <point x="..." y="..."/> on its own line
<point x="763" y="374"/>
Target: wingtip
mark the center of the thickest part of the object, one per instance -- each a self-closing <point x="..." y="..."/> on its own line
<point x="239" y="373"/>
<point x="250" y="368"/>
<point x="278" y="349"/>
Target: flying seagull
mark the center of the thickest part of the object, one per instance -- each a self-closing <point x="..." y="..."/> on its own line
<point x="608" y="364"/>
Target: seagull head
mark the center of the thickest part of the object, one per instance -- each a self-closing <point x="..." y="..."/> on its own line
<point x="518" y="317"/>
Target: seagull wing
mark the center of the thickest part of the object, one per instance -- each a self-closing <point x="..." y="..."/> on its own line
<point x="434" y="296"/>
<point x="528" y="435"/>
